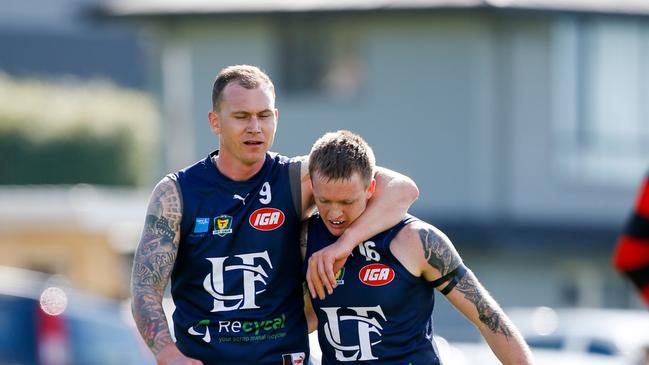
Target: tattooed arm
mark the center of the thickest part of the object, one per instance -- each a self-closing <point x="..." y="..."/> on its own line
<point x="471" y="298"/>
<point x="426" y="251"/>
<point x="152" y="264"/>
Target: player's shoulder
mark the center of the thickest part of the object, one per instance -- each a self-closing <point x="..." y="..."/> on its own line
<point x="407" y="238"/>
<point x="301" y="161"/>
<point x="168" y="184"/>
<point x="166" y="190"/>
<point x="195" y="167"/>
<point x="304" y="159"/>
<point x="407" y="248"/>
<point x="417" y="232"/>
<point x="279" y="158"/>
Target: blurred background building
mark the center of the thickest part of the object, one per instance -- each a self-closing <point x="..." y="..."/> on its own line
<point x="71" y="104"/>
<point x="50" y="39"/>
<point x="524" y="123"/>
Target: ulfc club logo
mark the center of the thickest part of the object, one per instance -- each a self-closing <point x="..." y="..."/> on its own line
<point x="222" y="225"/>
<point x="351" y="348"/>
<point x="254" y="278"/>
<point x="266" y="219"/>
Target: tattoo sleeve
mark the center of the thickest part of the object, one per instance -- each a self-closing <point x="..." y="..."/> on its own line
<point x="152" y="264"/>
<point x="438" y="251"/>
<point x="488" y="311"/>
<point x="441" y="255"/>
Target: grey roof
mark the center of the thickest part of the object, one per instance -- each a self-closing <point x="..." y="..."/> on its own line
<point x="152" y="8"/>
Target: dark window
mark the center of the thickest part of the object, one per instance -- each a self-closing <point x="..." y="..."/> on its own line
<point x="600" y="99"/>
<point x="318" y="55"/>
<point x="303" y="53"/>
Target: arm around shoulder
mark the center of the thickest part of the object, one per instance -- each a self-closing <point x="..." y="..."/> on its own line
<point x="397" y="183"/>
<point x="393" y="196"/>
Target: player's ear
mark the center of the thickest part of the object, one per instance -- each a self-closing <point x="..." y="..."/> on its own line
<point x="215" y="124"/>
<point x="371" y="188"/>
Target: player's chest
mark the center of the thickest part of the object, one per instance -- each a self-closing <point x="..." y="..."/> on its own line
<point x="245" y="222"/>
<point x="369" y="277"/>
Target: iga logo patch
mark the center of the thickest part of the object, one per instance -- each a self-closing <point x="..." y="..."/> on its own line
<point x="376" y="274"/>
<point x="266" y="219"/>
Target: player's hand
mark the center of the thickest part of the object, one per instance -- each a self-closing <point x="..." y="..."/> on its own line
<point x="170" y="355"/>
<point x="323" y="265"/>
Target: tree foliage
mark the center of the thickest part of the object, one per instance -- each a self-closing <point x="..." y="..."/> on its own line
<point x="71" y="131"/>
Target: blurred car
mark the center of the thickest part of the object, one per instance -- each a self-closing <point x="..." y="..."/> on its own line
<point x="574" y="336"/>
<point x="480" y="353"/>
<point x="43" y="321"/>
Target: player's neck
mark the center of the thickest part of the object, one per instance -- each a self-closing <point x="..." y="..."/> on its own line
<point x="235" y="169"/>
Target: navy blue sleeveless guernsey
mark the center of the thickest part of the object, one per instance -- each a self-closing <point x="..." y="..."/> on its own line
<point x="237" y="281"/>
<point x="379" y="313"/>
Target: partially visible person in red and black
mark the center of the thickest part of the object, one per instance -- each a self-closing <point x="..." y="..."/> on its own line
<point x="631" y="256"/>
